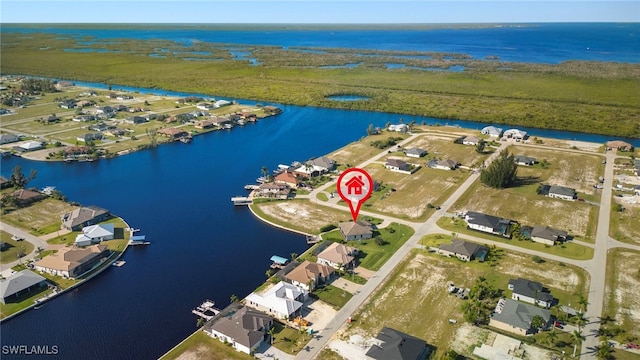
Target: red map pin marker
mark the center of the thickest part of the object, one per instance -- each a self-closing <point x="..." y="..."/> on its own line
<point x="355" y="187"/>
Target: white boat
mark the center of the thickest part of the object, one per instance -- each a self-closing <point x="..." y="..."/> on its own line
<point x="138" y="240"/>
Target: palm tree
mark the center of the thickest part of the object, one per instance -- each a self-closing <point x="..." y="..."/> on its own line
<point x="294" y="256"/>
<point x="580" y="321"/>
<point x="551" y="336"/>
<point x="577" y="337"/>
<point x="583" y="301"/>
<point x="234" y="298"/>
<point x="271" y="332"/>
<point x="604" y="350"/>
<point x="265" y="171"/>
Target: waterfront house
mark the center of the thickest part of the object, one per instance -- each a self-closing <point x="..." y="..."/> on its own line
<point x="282" y="300"/>
<point x="619" y="145"/>
<point x="221" y="103"/>
<point x="470" y="140"/>
<point x="20" y="285"/>
<point x="396" y="165"/>
<point x="287" y="178"/>
<point x="403" y="128"/>
<point x="25" y="197"/>
<point x="516" y="317"/>
<point x="558" y="192"/>
<point x="71" y="262"/>
<point x="221" y="121"/>
<point x="245" y="329"/>
<point x="355" y="230"/>
<point x="524" y="160"/>
<point x="464" y="250"/>
<point x="173" y="133"/>
<point x="309" y="275"/>
<point x="204" y="124"/>
<point x="30" y="146"/>
<point x="205" y="106"/>
<point x="515" y="134"/>
<point x="273" y="190"/>
<point x="488" y="224"/>
<point x="531" y="292"/>
<point x="8" y="138"/>
<point x="547" y="235"/>
<point x="338" y="256"/>
<point x="446" y="164"/>
<point x="492" y="131"/>
<point x="322" y="163"/>
<point x="94" y="234"/>
<point x="415" y="152"/>
<point x="83" y="216"/>
<point x="391" y="344"/>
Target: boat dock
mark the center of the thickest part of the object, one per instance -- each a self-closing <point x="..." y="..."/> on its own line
<point x="206" y="310"/>
<point x="313" y="239"/>
<point x="241" y="200"/>
<point x="251" y="187"/>
<point x="278" y="262"/>
<point x="138" y="240"/>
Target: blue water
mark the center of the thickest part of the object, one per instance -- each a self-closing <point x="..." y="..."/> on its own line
<point x="202" y="246"/>
<point x="541" y="43"/>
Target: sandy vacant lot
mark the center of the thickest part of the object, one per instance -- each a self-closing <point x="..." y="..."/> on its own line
<point x="623" y="290"/>
<point x="306" y="216"/>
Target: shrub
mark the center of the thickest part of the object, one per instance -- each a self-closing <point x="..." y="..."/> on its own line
<point x="537" y="259"/>
<point x="327" y="227"/>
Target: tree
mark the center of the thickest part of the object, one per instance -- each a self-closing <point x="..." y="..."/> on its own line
<point x="501" y="173"/>
<point x="371" y="130"/>
<point x="580" y="320"/>
<point x="582" y="300"/>
<point x="199" y="322"/>
<point x="537" y="322"/>
<point x="577" y="337"/>
<point x="271" y="332"/>
<point x="19" y="180"/>
<point x="293" y="256"/>
<point x="264" y="171"/>
<point x="153" y="137"/>
<point x="480" y="146"/>
<point x="604" y="351"/>
<point x="551" y="337"/>
<point x="234" y="298"/>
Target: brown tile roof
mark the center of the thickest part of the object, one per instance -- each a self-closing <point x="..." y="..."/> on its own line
<point x="337" y="253"/>
<point x="67" y="259"/>
<point x="308" y="270"/>
<point x="355" y="228"/>
<point x="24" y="194"/>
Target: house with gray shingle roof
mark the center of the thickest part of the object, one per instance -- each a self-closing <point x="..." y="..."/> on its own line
<point x="19" y="284"/>
<point x="415" y="152"/>
<point x="561" y="192"/>
<point x="244" y="328"/>
<point x="84" y="216"/>
<point x="488" y="223"/>
<point x="463" y="250"/>
<point x="516" y="317"/>
<point x="356" y="230"/>
<point x="392" y="344"/>
<point x="524" y="160"/>
<point x="547" y="235"/>
<point x="531" y="292"/>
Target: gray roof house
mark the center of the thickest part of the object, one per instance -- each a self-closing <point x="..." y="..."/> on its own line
<point x="464" y="250"/>
<point x="547" y="235"/>
<point x="446" y="164"/>
<point x="77" y="219"/>
<point x="8" y="138"/>
<point x="396" y="165"/>
<point x="244" y="328"/>
<point x="531" y="292"/>
<point x="323" y="162"/>
<point x="19" y="284"/>
<point x="524" y="160"/>
<point x="396" y="345"/>
<point x="356" y="230"/>
<point x="488" y="223"/>
<point x="561" y="192"/>
<point x="415" y="152"/>
<point x="516" y="317"/>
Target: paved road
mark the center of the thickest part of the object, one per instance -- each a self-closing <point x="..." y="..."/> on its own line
<point x="36" y="241"/>
<point x="595" y="266"/>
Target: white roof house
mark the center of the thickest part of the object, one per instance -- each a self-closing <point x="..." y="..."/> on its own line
<point x="282" y="300"/>
<point x="31" y="145"/>
<point x="492" y="131"/>
<point x="399" y="128"/>
<point x="515" y="134"/>
<point x="221" y="103"/>
<point x="95" y="234"/>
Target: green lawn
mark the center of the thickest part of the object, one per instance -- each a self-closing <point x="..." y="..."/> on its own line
<point x="288" y="339"/>
<point x="569" y="250"/>
<point x="13" y="248"/>
<point x="39" y="218"/>
<point x="333" y="296"/>
<point x="372" y="256"/>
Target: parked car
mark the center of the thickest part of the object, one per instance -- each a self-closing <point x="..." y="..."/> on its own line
<point x="17" y="238"/>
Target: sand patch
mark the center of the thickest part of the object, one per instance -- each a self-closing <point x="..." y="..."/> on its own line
<point x="563" y="278"/>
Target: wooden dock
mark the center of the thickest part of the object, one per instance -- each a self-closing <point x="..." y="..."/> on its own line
<point x="206" y="310"/>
